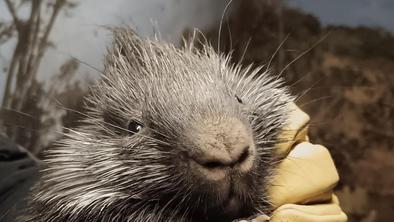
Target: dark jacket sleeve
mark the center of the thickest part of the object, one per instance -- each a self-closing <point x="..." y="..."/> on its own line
<point x="18" y="172"/>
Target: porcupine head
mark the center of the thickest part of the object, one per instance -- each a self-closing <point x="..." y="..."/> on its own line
<point x="171" y="134"/>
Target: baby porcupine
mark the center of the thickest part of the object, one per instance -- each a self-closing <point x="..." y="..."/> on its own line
<point x="170" y="135"/>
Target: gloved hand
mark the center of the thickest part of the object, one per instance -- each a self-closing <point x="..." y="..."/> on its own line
<point x="302" y="190"/>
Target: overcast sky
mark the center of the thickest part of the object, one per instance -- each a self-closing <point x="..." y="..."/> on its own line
<point x="350" y="12"/>
<point x="80" y="34"/>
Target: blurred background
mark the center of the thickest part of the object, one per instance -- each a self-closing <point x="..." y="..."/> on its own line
<point x="337" y="55"/>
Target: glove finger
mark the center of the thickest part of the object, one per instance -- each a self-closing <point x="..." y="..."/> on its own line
<point x="330" y="212"/>
<point x="306" y="175"/>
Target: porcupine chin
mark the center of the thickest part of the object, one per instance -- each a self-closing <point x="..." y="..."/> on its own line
<point x="171" y="135"/>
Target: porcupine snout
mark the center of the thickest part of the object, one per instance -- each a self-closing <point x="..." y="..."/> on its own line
<point x="223" y="147"/>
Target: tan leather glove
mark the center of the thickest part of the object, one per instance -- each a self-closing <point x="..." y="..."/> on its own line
<point x="302" y="189"/>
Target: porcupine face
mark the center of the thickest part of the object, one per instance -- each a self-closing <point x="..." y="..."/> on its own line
<point x="176" y="131"/>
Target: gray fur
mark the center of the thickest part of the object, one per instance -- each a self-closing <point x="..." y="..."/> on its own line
<point x="98" y="172"/>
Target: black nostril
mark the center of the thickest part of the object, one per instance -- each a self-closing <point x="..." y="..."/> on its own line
<point x="216" y="164"/>
<point x="244" y="155"/>
<point x="213" y="164"/>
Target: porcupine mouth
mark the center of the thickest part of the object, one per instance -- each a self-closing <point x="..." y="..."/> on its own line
<point x="231" y="207"/>
<point x="230" y="201"/>
<point x="231" y="204"/>
<point x="225" y="204"/>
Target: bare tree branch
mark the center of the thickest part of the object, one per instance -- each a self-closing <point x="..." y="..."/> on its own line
<point x="10" y="76"/>
<point x="56" y="9"/>
<point x="32" y="42"/>
<point x="6" y="32"/>
<point x="14" y="15"/>
<point x="34" y="33"/>
<point x="41" y="49"/>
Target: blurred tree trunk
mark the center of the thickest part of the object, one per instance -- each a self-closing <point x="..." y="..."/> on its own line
<point x="32" y="35"/>
<point x="32" y="42"/>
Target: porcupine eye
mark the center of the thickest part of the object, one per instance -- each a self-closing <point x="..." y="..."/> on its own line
<point x="134" y="127"/>
<point x="239" y="99"/>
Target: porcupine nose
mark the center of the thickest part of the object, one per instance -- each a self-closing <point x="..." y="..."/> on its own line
<point x="222" y="146"/>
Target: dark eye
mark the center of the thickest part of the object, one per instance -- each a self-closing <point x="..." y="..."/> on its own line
<point x="239" y="99"/>
<point x="134" y="127"/>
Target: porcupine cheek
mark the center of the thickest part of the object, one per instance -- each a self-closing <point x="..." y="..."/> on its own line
<point x="224" y="151"/>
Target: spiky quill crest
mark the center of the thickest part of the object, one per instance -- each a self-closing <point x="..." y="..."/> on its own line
<point x="101" y="172"/>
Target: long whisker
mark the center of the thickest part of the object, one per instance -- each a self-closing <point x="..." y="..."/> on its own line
<point x="221" y="23"/>
<point x="306" y="91"/>
<point x="121" y="128"/>
<point x="87" y="64"/>
<point x="303" y="53"/>
<point x="80" y="61"/>
<point x="246" y="48"/>
<point x="33" y="130"/>
<point x="276" y="51"/>
<point x="300" y="79"/>
<point x="129" y="131"/>
<point x="314" y="101"/>
<point x="230" y="35"/>
<point x="115" y="126"/>
<point x="17" y="111"/>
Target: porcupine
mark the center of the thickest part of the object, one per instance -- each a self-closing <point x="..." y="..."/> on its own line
<point x="170" y="134"/>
